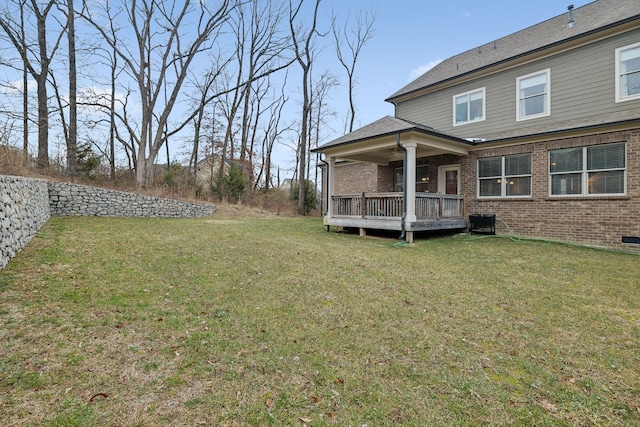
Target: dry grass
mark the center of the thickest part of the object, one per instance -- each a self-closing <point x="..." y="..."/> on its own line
<point x="12" y="162"/>
<point x="249" y="318"/>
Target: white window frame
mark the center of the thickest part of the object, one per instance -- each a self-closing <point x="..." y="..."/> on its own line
<point x="619" y="87"/>
<point x="584" y="175"/>
<point x="547" y="96"/>
<point x="469" y="119"/>
<point x="442" y="177"/>
<point x="503" y="178"/>
<point x="397" y="186"/>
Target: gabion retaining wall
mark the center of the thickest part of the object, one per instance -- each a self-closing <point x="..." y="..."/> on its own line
<point x="26" y="204"/>
<point x="24" y="208"/>
<point x="67" y="199"/>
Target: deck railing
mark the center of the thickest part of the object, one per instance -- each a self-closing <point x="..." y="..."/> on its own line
<point x="391" y="205"/>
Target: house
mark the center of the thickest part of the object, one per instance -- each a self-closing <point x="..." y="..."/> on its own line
<point x="207" y="170"/>
<point x="540" y="128"/>
<point x="287" y="184"/>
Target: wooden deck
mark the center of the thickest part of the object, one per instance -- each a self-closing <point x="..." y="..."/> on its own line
<point x="384" y="211"/>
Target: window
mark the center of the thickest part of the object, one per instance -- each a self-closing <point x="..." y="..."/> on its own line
<point x="506" y="176"/>
<point x="533" y="96"/>
<point x="468" y="107"/>
<point x="398" y="179"/>
<point x="583" y="171"/>
<point x="422" y="179"/>
<point x="628" y="73"/>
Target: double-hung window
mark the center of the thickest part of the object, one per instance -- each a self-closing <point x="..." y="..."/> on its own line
<point x="585" y="171"/>
<point x="469" y="107"/>
<point x="533" y="95"/>
<point x="505" y="176"/>
<point x="628" y="72"/>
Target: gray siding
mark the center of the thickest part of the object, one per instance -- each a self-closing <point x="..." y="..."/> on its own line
<point x="582" y="86"/>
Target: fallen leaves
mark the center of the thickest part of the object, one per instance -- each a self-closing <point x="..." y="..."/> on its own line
<point x="96" y="395"/>
<point x="551" y="407"/>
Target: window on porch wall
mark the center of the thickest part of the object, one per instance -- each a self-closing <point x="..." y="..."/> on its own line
<point x="422" y="179"/>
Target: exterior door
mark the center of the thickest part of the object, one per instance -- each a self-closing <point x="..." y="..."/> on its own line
<point x="449" y="179"/>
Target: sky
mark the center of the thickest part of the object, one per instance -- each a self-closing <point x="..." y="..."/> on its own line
<point x="413" y="35"/>
<point x="410" y="36"/>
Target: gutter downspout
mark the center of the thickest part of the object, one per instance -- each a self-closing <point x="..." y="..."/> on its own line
<point x="325" y="186"/>
<point x="404" y="187"/>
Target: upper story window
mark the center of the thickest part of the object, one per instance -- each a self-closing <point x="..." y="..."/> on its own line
<point x="533" y="95"/>
<point x="585" y="171"/>
<point x="469" y="107"/>
<point x="628" y="72"/>
<point x="505" y="176"/>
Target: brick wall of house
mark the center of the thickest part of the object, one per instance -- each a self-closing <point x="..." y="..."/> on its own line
<point x="355" y="178"/>
<point x="385" y="179"/>
<point x="598" y="221"/>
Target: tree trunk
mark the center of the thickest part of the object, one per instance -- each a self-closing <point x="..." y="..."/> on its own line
<point x="41" y="80"/>
<point x="72" y="142"/>
<point x="43" y="123"/>
<point x="25" y="97"/>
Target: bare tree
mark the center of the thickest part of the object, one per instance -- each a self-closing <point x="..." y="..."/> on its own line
<point x="72" y="139"/>
<point x="108" y="101"/>
<point x="272" y="132"/>
<point x="161" y="51"/>
<point x="259" y="52"/>
<point x="204" y="85"/>
<point x="37" y="60"/>
<point x="320" y="91"/>
<point x="349" y="42"/>
<point x="112" y="117"/>
<point x="266" y="51"/>
<point x="25" y="92"/>
<point x="303" y="45"/>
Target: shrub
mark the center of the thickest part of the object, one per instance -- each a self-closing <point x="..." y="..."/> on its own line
<point x="88" y="160"/>
<point x="233" y="184"/>
<point x="310" y="199"/>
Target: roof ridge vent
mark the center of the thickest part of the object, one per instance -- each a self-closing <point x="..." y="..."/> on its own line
<point x="571" y="22"/>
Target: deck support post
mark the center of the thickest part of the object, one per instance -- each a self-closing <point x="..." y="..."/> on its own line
<point x="363" y="232"/>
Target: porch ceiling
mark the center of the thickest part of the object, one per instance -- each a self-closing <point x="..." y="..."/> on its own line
<point x="384" y="149"/>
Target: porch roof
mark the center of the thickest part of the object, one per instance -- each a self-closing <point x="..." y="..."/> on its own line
<point x="377" y="142"/>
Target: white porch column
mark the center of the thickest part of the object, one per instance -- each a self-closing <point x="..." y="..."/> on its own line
<point x="330" y="184"/>
<point x="410" y="171"/>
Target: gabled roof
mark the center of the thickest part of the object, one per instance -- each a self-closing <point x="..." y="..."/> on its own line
<point x="591" y="18"/>
<point x="386" y="126"/>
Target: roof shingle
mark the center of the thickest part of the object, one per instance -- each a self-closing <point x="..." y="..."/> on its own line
<point x="588" y="18"/>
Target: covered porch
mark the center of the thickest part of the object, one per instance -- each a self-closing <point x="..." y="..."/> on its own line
<point x="392" y="140"/>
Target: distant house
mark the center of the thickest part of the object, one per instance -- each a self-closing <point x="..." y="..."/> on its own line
<point x="287" y="184"/>
<point x="207" y="170"/>
<point x="540" y="128"/>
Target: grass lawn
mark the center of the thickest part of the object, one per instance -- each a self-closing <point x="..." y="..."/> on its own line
<point x="235" y="321"/>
